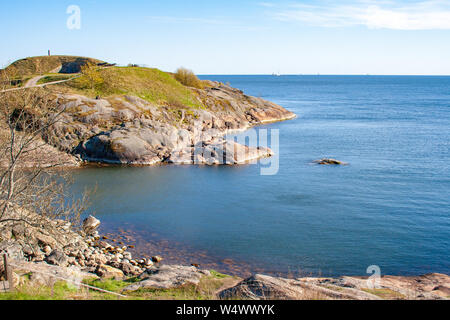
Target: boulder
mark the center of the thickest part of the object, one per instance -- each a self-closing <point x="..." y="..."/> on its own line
<point x="45" y="240"/>
<point x="44" y="274"/>
<point x="12" y="249"/>
<point x="108" y="272"/>
<point x="329" y="161"/>
<point x="90" y="225"/>
<point x="263" y="287"/>
<point x="57" y="258"/>
<point x="128" y="269"/>
<point x="168" y="276"/>
<point x="157" y="259"/>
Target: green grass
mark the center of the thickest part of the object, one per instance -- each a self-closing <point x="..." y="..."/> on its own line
<point x="61" y="291"/>
<point x="152" y="85"/>
<point x="205" y="290"/>
<point x="218" y="275"/>
<point x="54" y="77"/>
<point x="385" y="293"/>
<point x="110" y="284"/>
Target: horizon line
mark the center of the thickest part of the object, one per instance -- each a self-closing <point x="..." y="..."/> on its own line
<point x="324" y="74"/>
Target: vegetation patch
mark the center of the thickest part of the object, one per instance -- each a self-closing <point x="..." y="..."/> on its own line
<point x="188" y="78"/>
<point x="45" y="64"/>
<point x="152" y="85"/>
<point x="54" y="78"/>
<point x="385" y="293"/>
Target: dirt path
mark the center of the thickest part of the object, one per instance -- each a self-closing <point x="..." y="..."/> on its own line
<point x="32" y="83"/>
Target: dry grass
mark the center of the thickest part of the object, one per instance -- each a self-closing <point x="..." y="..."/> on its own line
<point x="385" y="293"/>
<point x="188" y="78"/>
<point x="44" y="64"/>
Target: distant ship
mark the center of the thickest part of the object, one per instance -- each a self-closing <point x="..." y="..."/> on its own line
<point x="276" y="74"/>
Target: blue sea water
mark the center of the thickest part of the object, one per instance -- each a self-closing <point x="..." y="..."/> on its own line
<point x="389" y="207"/>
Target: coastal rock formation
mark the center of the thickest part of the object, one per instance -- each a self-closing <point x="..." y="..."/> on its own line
<point x="65" y="255"/>
<point x="329" y="161"/>
<point x="220" y="152"/>
<point x="167" y="277"/>
<point x="262" y="287"/>
<point x="62" y="247"/>
<point x="130" y="130"/>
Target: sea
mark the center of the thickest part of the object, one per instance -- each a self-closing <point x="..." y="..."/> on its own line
<point x="389" y="207"/>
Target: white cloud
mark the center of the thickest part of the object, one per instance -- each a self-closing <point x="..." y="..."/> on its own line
<point x="425" y="15"/>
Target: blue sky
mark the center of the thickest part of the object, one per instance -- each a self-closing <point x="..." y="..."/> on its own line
<point x="239" y="37"/>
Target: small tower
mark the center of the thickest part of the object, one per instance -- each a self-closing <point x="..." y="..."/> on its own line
<point x="49" y="53"/>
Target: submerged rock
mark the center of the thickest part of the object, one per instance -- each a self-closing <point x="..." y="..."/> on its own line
<point x="329" y="161"/>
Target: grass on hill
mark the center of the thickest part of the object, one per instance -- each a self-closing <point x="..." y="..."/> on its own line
<point x="152" y="85"/>
<point x="54" y="77"/>
<point x="45" y="64"/>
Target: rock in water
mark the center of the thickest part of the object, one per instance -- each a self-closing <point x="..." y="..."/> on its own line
<point x="329" y="161"/>
<point x="90" y="225"/>
<point x="157" y="259"/>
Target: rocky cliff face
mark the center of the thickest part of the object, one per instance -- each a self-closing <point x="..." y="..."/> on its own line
<point x="129" y="130"/>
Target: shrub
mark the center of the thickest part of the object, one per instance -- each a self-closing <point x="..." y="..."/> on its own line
<point x="91" y="77"/>
<point x="188" y="78"/>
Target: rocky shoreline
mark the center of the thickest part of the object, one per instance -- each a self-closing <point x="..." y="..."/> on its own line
<point x="129" y="130"/>
<point x="40" y="256"/>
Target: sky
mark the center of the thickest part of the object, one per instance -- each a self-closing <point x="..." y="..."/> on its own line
<point x="237" y="37"/>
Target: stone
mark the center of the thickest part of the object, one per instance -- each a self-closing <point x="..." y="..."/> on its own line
<point x="128" y="269"/>
<point x="90" y="225"/>
<point x="156" y="259"/>
<point x="58" y="258"/>
<point x="127" y="255"/>
<point x="46" y="240"/>
<point x="108" y="272"/>
<point x="166" y="277"/>
<point x="12" y="249"/>
<point x="263" y="287"/>
<point x="328" y="161"/>
<point x="47" y="250"/>
<point x="19" y="232"/>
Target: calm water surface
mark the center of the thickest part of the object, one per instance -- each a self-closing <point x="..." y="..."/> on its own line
<point x="390" y="207"/>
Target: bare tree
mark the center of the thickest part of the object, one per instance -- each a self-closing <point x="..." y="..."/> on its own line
<point x="32" y="187"/>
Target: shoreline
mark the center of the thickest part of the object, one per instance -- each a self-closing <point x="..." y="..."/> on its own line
<point x="89" y="255"/>
<point x="147" y="243"/>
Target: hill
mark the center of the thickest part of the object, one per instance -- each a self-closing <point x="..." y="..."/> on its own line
<point x="142" y="116"/>
<point x="48" y="64"/>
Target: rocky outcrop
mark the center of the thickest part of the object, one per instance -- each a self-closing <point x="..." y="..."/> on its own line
<point x="262" y="287"/>
<point x="61" y="246"/>
<point x="329" y="161"/>
<point x="220" y="152"/>
<point x="167" y="277"/>
<point x="130" y="130"/>
<point x="90" y="225"/>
